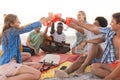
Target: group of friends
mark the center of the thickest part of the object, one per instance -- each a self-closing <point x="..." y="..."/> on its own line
<point x="97" y="43"/>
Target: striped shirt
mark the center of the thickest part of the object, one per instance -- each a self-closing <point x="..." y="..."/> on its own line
<point x="109" y="51"/>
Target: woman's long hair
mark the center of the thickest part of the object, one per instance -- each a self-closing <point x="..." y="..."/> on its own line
<point x="8" y="20"/>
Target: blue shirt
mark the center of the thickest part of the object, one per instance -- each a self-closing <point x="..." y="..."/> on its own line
<point x="109" y="52"/>
<point x="11" y="43"/>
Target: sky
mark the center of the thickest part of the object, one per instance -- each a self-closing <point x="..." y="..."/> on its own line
<point x="32" y="10"/>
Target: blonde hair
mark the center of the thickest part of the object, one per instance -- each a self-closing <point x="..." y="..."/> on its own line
<point x="83" y="13"/>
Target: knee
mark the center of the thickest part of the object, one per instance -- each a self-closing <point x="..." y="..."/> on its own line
<point x="73" y="51"/>
<point x="29" y="55"/>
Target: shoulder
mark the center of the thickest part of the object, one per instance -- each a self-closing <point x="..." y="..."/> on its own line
<point x="31" y="33"/>
<point x="105" y="30"/>
<point x="12" y="31"/>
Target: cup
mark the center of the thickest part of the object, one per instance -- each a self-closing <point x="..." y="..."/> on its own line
<point x="68" y="20"/>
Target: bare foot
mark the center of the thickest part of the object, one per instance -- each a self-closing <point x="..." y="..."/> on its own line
<point x="61" y="74"/>
<point x="80" y="70"/>
<point x="77" y="73"/>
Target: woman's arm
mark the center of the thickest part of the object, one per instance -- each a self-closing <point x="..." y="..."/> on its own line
<point x="31" y="26"/>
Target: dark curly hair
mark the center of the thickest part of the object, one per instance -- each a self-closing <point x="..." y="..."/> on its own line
<point x="102" y="21"/>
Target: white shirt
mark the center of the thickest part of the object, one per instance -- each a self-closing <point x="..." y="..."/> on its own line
<point x="58" y="37"/>
<point x="91" y="35"/>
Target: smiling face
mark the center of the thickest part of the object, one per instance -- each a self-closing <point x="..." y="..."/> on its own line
<point x="115" y="22"/>
<point x="115" y="26"/>
<point x="81" y="16"/>
<point x="59" y="28"/>
<point x="11" y="20"/>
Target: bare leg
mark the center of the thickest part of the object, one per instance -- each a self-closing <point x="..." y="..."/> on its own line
<point x="101" y="70"/>
<point x="91" y="54"/>
<point x="111" y="78"/>
<point x="33" y="64"/>
<point x="115" y="74"/>
<point x="26" y="57"/>
<point x="76" y="64"/>
<point x="26" y="73"/>
<point x="72" y="68"/>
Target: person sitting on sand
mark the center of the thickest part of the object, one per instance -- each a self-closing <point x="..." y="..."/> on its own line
<point x="58" y="42"/>
<point x="93" y="55"/>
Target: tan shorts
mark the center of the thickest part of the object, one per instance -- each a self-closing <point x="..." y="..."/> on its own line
<point x="9" y="69"/>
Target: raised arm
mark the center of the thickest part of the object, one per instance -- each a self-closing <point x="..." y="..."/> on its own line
<point x="45" y="32"/>
<point x="52" y="28"/>
<point x="89" y="27"/>
<point x="77" y="27"/>
<point x="31" y="26"/>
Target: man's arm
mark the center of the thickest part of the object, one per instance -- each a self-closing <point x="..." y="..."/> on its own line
<point x="45" y="32"/>
<point x="52" y="28"/>
<point x="96" y="41"/>
<point x="76" y="27"/>
<point x="28" y="43"/>
<point x="93" y="41"/>
<point x="89" y="27"/>
<point x="72" y="25"/>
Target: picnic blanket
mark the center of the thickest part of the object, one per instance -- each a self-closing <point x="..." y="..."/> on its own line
<point x="63" y="57"/>
<point x="65" y="60"/>
<point x="48" y="59"/>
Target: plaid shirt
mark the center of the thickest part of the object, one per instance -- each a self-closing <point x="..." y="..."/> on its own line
<point x="109" y="52"/>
